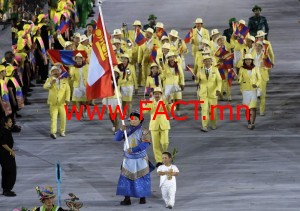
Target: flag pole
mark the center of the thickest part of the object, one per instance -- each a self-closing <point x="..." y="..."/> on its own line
<point x="188" y="67"/>
<point x="58" y="181"/>
<point x="113" y="73"/>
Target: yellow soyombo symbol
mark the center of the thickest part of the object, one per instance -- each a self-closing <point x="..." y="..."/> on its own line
<point x="100" y="44"/>
<point x="133" y="143"/>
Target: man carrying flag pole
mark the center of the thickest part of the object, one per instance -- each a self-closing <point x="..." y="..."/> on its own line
<point x="101" y="67"/>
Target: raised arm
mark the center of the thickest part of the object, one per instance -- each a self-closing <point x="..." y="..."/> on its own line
<point x="119" y="136"/>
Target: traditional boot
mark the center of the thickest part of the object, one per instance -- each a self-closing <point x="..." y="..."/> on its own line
<point x="126" y="201"/>
<point x="143" y="200"/>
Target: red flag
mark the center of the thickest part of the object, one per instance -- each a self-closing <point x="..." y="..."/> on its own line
<point x="188" y="36"/>
<point x="99" y="79"/>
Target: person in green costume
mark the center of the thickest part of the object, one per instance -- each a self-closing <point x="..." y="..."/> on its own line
<point x="83" y="9"/>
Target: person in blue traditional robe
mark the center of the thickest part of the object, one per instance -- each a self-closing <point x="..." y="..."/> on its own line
<point x="135" y="179"/>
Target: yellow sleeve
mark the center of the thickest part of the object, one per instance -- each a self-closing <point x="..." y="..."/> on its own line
<point x="147" y="82"/>
<point x="81" y="48"/>
<point x="229" y="46"/>
<point x="159" y="55"/>
<point x="183" y="48"/>
<point x="162" y="74"/>
<point x="258" y="77"/>
<point x="141" y="53"/>
<point x="206" y="36"/>
<point x="240" y="75"/>
<point x="61" y="40"/>
<point x="129" y="52"/>
<point x="47" y="84"/>
<point x="219" y="81"/>
<point x="181" y="76"/>
<point x="271" y="53"/>
<point x="156" y="42"/>
<point x="134" y="79"/>
<point x="198" y="76"/>
<point x="198" y="58"/>
<point x="71" y="72"/>
<point x="20" y="44"/>
<point x="68" y="93"/>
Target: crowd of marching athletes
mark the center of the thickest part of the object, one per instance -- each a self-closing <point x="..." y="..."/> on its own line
<point x="33" y="34"/>
<point x="27" y="64"/>
<point x="148" y="56"/>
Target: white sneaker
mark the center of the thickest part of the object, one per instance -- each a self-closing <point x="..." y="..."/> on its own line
<point x="262" y="114"/>
<point x="53" y="136"/>
<point x="62" y="134"/>
<point x="204" y="129"/>
<point x="113" y="129"/>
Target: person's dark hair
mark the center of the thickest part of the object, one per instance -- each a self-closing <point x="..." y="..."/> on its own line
<point x="151" y="73"/>
<point x="4" y="120"/>
<point x="8" y="53"/>
<point x="167" y="153"/>
<point x="137" y="114"/>
<point x="9" y="56"/>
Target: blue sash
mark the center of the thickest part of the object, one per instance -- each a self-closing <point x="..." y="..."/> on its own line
<point x="131" y="131"/>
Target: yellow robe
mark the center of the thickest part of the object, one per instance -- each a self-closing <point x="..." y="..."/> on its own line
<point x="126" y="82"/>
<point x="75" y="80"/>
<point x="144" y="58"/>
<point x="195" y="41"/>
